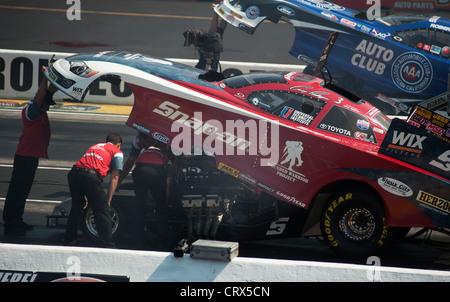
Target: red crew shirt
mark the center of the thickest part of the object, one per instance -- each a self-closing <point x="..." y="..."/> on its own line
<point x="153" y="156"/>
<point x="102" y="158"/>
<point x="35" y="136"/>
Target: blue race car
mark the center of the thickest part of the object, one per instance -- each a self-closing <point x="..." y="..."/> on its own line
<point x="395" y="62"/>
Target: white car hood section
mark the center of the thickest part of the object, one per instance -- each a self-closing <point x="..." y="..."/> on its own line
<point x="140" y="78"/>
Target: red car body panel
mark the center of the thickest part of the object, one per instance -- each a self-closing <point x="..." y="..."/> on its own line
<point x="323" y="155"/>
<point x="290" y="152"/>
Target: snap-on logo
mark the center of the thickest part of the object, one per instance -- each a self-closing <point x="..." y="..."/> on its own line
<point x="412" y="72"/>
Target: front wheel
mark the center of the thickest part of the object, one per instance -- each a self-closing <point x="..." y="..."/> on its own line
<point x="353" y="223"/>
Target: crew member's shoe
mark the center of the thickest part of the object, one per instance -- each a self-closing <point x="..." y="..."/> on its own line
<point x="16" y="230"/>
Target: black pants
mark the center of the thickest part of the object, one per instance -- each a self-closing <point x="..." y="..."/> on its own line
<point x="84" y="184"/>
<point x="154" y="178"/>
<point x="19" y="187"/>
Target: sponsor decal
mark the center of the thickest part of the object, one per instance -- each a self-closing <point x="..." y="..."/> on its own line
<point x="348" y="23"/>
<point x="252" y="12"/>
<point x="364" y="137"/>
<point x="257" y="102"/>
<point x="412" y="72"/>
<point x="378" y="34"/>
<point x="51" y="75"/>
<point x="434" y="201"/>
<point x="278" y="226"/>
<point x="244" y="27"/>
<point x="248" y="178"/>
<point x="363" y="124"/>
<point x="395" y="186"/>
<point x="418" y="147"/>
<point x="435" y="49"/>
<point x="323" y="4"/>
<point x="229" y="170"/>
<point x="440" y="27"/>
<point x="356" y="125"/>
<point x="286" y="112"/>
<point x="373" y="112"/>
<point x="296" y="116"/>
<point x="161" y="137"/>
<point x="309" y="90"/>
<point x="329" y="15"/>
<point x="365" y="28"/>
<point x="286" y="10"/>
<point x="25" y="276"/>
<point x="291" y="199"/>
<point x="141" y="128"/>
<point x="433" y="104"/>
<point x="372" y="57"/>
<point x="12" y="104"/>
<point x="406" y="141"/>
<point x="77" y="91"/>
<point x="434" y="19"/>
<point x="442" y="162"/>
<point x="335" y="129"/>
<point x="291" y="158"/>
<point x="266" y="187"/>
<point x="76" y="107"/>
<point x="238" y="95"/>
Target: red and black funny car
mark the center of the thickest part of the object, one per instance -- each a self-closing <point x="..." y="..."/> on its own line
<point x="272" y="155"/>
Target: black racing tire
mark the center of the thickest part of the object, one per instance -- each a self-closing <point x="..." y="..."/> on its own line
<point x="89" y="228"/>
<point x="353" y="223"/>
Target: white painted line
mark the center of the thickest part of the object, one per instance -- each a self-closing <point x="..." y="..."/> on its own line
<point x="39" y="200"/>
<point x="39" y="167"/>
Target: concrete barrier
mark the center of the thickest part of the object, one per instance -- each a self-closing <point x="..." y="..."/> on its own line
<point x="20" y="76"/>
<point x="148" y="266"/>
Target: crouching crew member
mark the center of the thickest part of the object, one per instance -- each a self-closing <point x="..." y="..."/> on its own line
<point x="152" y="172"/>
<point x="141" y="141"/>
<point x="85" y="180"/>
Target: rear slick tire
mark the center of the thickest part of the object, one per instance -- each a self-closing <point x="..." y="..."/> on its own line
<point x="353" y="223"/>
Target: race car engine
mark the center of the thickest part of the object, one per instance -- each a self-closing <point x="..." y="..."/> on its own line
<point x="210" y="197"/>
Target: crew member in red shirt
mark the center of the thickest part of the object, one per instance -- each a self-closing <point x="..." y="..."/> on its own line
<point x="85" y="180"/>
<point x="33" y="144"/>
<point x="152" y="172"/>
<point x="141" y="141"/>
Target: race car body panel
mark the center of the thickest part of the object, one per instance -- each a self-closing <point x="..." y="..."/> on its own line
<point x="289" y="135"/>
<point x="395" y="62"/>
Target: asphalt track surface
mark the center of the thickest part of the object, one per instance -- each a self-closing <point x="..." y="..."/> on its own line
<point x="148" y="27"/>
